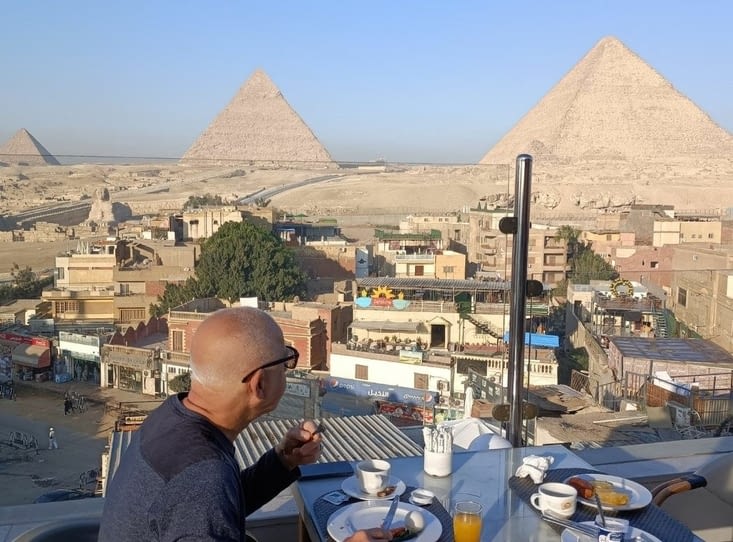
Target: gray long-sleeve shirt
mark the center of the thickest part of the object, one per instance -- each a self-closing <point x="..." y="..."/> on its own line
<point x="179" y="480"/>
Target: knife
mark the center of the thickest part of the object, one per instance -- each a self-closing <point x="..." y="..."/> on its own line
<point x="390" y="514"/>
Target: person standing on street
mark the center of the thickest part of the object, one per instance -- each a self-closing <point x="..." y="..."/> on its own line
<point x="67" y="406"/>
<point x="52" y="444"/>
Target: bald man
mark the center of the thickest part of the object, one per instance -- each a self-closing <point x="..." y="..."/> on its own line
<point x="179" y="478"/>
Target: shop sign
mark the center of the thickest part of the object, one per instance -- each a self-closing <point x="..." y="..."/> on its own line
<point x="380" y="391"/>
<point x="137" y="359"/>
<point x="24" y="339"/>
<point x="298" y="389"/>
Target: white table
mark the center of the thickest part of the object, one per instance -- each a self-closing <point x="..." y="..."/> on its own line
<point x="481" y="476"/>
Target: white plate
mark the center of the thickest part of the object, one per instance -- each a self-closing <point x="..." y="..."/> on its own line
<point x="350" y="486"/>
<point x="369" y="514"/>
<point x="639" y="496"/>
<point x="572" y="536"/>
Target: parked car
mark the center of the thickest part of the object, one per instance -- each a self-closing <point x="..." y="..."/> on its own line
<point x="63" y="495"/>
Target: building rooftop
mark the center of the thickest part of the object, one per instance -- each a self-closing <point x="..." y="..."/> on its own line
<point x="674" y="349"/>
<point x="451" y="285"/>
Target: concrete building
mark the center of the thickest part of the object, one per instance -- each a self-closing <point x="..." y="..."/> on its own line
<point x="702" y="292"/>
<point x="491" y="250"/>
<point x="302" y="328"/>
<point x="697" y="228"/>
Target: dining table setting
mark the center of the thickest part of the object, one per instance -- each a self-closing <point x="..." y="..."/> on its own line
<point x="533" y="494"/>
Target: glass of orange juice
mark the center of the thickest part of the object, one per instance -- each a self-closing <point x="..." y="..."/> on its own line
<point x="467" y="521"/>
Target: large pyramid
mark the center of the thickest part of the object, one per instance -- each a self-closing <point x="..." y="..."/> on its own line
<point x="258" y="125"/>
<point x="24" y="149"/>
<point x="613" y="106"/>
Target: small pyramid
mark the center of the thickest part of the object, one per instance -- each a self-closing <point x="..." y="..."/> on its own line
<point x="25" y="150"/>
<point x="258" y="125"/>
<point x="613" y="106"/>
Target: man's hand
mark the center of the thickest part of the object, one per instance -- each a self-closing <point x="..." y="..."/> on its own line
<point x="370" y="535"/>
<point x="300" y="445"/>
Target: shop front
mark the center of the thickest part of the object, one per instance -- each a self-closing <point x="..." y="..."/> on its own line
<point x="80" y="357"/>
<point x="130" y="369"/>
<point x="32" y="362"/>
<point x="30" y="356"/>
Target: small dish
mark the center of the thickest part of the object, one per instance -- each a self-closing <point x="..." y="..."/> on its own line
<point x="422" y="497"/>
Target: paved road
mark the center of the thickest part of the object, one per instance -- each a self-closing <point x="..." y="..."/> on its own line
<point x="270" y="192"/>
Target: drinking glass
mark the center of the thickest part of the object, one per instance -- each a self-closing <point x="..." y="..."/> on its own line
<point x="467" y="521"/>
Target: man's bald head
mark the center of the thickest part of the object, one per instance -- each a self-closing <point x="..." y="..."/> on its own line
<point x="232" y="342"/>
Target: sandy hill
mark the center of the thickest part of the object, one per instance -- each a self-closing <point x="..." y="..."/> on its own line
<point x="258" y="125"/>
<point x="24" y="149"/>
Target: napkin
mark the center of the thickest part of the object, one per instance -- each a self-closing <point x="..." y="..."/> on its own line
<point x="535" y="466"/>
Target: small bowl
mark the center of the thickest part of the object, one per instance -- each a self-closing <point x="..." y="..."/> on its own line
<point x="422" y="497"/>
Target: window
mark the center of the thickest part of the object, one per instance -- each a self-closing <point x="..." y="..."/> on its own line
<point x="177" y="340"/>
<point x="457" y="235"/>
<point x="361" y="372"/>
<point x="682" y="296"/>
<point x="609" y="237"/>
<point x="67" y="306"/>
<point x="654" y="265"/>
<point x="419" y="270"/>
<point x="449" y="269"/>
<point x="60" y="273"/>
<point x="711" y="235"/>
<point x="133" y="315"/>
<point x="421" y="381"/>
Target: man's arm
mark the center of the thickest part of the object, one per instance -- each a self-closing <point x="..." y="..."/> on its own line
<point x="264" y="480"/>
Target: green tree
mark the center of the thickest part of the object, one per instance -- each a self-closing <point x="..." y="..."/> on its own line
<point x="587" y="266"/>
<point x="180" y="383"/>
<point x="242" y="260"/>
<point x="239" y="260"/>
<point x="570" y="235"/>
<point x="195" y="202"/>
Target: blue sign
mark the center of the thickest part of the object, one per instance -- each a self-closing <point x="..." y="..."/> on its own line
<point x="380" y="392"/>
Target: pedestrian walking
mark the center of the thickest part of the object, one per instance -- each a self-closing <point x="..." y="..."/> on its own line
<point x="52" y="444"/>
<point x="67" y="406"/>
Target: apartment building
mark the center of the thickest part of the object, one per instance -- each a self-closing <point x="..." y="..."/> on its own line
<point x="491" y="250"/>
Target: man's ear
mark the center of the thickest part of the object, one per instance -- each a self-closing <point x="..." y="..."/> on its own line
<point x="257" y="385"/>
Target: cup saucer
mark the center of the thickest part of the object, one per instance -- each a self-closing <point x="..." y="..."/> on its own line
<point x="350" y="486"/>
<point x="422" y="497"/>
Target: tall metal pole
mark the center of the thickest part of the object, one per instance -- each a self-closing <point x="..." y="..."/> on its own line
<point x="522" y="194"/>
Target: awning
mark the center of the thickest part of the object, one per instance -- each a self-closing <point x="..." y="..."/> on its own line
<point x="32" y="355"/>
<point x="412" y="327"/>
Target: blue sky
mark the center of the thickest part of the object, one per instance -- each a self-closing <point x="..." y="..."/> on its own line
<point x="404" y="80"/>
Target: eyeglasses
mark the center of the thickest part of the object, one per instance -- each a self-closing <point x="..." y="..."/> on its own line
<point x="290" y="361"/>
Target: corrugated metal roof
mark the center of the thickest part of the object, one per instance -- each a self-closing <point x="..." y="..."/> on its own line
<point x="348" y="438"/>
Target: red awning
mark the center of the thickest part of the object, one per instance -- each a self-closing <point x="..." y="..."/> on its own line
<point x="32" y="355"/>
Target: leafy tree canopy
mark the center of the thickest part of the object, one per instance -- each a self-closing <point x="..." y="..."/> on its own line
<point x="201" y="201"/>
<point x="239" y="260"/>
<point x="26" y="285"/>
<point x="180" y="383"/>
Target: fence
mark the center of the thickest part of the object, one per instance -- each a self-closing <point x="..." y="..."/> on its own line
<point x="713" y="404"/>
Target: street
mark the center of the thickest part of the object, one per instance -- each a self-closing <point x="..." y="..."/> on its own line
<point x="26" y="474"/>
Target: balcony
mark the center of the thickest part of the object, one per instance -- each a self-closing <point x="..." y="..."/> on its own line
<point x="424" y="258"/>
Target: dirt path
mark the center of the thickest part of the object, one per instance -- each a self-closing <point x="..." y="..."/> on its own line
<point x="27" y="473"/>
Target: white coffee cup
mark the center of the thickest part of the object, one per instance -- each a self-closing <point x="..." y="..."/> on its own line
<point x="373" y="475"/>
<point x="560" y="499"/>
